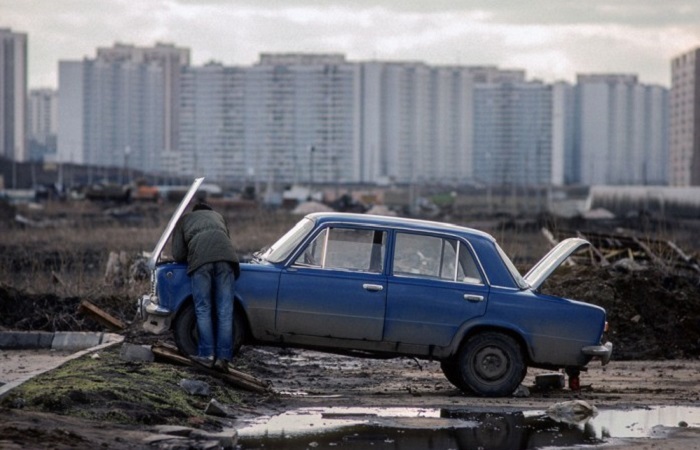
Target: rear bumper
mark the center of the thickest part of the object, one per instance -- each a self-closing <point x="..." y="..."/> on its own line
<point x="602" y="352"/>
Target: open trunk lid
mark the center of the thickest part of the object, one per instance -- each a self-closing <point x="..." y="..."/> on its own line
<point x="552" y="260"/>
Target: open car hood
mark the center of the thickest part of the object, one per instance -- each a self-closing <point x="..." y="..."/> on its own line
<point x="153" y="260"/>
<point x="552" y="260"/>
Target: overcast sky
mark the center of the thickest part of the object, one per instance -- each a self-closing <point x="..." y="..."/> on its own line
<point x="551" y="39"/>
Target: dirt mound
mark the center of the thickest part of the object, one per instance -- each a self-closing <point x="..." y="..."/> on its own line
<point x="652" y="314"/>
<point x="22" y="311"/>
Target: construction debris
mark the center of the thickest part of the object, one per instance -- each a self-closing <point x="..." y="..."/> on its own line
<point x="626" y="251"/>
<point x="123" y="269"/>
<point x="101" y="316"/>
<point x="574" y="412"/>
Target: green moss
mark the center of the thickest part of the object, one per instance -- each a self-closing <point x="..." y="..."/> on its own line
<point x="110" y="389"/>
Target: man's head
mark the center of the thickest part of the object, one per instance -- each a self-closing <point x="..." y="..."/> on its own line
<point x="199" y="206"/>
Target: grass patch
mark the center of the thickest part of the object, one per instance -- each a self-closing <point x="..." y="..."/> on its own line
<point x="112" y="390"/>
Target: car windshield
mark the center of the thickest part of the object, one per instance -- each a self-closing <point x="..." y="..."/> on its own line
<point x="280" y="250"/>
<point x="512" y="269"/>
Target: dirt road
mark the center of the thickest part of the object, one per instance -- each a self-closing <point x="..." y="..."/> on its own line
<point x="304" y="379"/>
<point x="311" y="376"/>
<point x="313" y="379"/>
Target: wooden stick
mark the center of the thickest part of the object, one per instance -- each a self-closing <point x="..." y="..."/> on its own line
<point x="234" y="377"/>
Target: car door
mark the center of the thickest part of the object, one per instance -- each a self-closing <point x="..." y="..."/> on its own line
<point x="336" y="287"/>
<point x="435" y="286"/>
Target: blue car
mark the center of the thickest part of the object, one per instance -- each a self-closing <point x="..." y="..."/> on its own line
<point x="379" y="286"/>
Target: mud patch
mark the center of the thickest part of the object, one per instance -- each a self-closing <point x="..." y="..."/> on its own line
<point x="458" y="428"/>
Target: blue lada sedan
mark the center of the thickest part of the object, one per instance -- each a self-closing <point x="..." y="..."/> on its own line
<point x="384" y="286"/>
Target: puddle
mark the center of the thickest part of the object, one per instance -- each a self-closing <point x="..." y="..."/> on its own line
<point x="360" y="428"/>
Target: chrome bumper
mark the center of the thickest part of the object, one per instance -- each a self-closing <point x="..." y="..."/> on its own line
<point x="148" y="304"/>
<point x="603" y="352"/>
<point x="156" y="319"/>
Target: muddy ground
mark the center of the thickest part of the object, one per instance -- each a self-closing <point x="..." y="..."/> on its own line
<point x="104" y="401"/>
<point x="121" y="416"/>
<point x="109" y="402"/>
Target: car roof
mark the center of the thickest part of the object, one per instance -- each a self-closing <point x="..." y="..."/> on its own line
<point x="398" y="222"/>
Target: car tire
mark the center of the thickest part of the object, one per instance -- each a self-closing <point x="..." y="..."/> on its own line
<point x="491" y="364"/>
<point x="185" y="330"/>
<point x="450" y="368"/>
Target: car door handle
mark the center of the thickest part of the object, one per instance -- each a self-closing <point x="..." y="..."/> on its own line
<point x="373" y="287"/>
<point x="474" y="298"/>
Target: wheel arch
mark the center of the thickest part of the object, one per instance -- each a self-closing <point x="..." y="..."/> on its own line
<point x="238" y="308"/>
<point x="182" y="306"/>
<point x="239" y="313"/>
<point x="474" y="330"/>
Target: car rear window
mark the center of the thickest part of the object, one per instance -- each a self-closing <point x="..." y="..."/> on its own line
<point x="437" y="257"/>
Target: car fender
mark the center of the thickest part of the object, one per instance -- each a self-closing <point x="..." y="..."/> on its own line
<point x="256" y="292"/>
<point x="481" y="324"/>
<point x="174" y="286"/>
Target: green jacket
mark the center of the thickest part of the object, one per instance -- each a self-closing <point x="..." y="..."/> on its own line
<point x="202" y="237"/>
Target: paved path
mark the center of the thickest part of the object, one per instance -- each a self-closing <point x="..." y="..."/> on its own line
<point x="26" y="355"/>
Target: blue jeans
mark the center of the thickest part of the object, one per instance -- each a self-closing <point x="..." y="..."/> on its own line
<point x="213" y="285"/>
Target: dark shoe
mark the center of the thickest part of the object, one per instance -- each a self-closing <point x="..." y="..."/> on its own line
<point x="206" y="361"/>
<point x="221" y="365"/>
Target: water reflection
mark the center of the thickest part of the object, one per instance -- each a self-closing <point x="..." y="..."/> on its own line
<point x="487" y="431"/>
<point x="409" y="428"/>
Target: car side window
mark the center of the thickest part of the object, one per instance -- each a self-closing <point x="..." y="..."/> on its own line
<point x="346" y="249"/>
<point x="435" y="257"/>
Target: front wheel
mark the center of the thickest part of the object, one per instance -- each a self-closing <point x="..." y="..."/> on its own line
<point x="491" y="364"/>
<point x="187" y="338"/>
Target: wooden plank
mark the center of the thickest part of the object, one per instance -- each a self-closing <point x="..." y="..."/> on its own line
<point x="649" y="253"/>
<point x="234" y="377"/>
<point x="594" y="250"/>
<point x="685" y="258"/>
<point x="101" y="316"/>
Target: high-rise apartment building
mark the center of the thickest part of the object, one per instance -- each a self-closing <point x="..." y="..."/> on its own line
<point x="513" y="134"/>
<point x="171" y="60"/>
<point x="111" y="114"/>
<point x="212" y="137"/>
<point x="621" y="131"/>
<point x="289" y="118"/>
<point x="318" y="118"/>
<point x="13" y="95"/>
<point x="565" y="161"/>
<point x="685" y="119"/>
<point x="418" y="120"/>
<point x="395" y="121"/>
<point x="302" y="118"/>
<point x="119" y="109"/>
<point x="42" y="124"/>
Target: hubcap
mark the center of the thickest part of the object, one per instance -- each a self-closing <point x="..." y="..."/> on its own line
<point x="491" y="363"/>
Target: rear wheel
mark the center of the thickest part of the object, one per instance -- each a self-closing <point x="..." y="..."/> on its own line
<point x="450" y="368"/>
<point x="187" y="338"/>
<point x="491" y="364"/>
